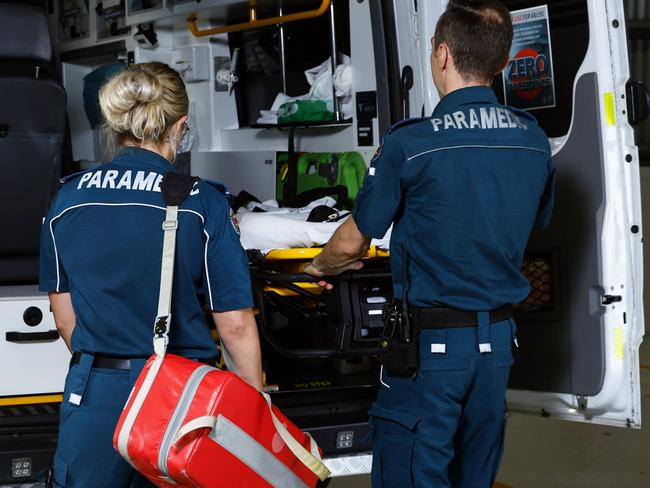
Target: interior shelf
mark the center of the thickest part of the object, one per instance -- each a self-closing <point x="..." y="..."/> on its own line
<point x="304" y="125"/>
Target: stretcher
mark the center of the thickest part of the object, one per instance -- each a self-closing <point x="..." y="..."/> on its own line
<point x="299" y="319"/>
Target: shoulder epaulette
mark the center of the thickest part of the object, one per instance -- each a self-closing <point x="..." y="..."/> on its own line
<point x="405" y="122"/>
<point x="67" y="178"/>
<point x="221" y="187"/>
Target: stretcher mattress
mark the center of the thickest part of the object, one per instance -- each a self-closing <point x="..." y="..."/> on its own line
<point x="283" y="228"/>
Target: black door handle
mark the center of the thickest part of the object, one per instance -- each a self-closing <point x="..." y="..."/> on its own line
<point x="50" y="335"/>
<point x="638" y="102"/>
<point x="406" y="83"/>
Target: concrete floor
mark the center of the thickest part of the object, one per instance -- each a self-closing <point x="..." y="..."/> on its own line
<point x="547" y="453"/>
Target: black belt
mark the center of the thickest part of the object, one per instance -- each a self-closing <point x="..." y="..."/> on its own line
<point x="442" y="318"/>
<point x="114" y="362"/>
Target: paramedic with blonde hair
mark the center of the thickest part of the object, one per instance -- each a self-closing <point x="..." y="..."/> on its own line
<point x="463" y="190"/>
<point x="101" y="249"/>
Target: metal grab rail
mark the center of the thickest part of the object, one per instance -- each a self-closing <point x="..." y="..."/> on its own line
<point x="254" y="23"/>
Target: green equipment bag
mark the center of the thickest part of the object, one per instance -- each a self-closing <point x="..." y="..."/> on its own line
<point x="297" y="111"/>
<point x="322" y="170"/>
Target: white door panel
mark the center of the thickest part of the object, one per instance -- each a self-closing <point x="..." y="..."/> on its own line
<point x="34" y="359"/>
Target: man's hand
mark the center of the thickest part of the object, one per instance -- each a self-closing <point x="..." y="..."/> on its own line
<point x="313" y="269"/>
<point x="342" y="253"/>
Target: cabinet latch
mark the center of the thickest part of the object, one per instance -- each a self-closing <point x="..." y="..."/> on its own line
<point x="609" y="299"/>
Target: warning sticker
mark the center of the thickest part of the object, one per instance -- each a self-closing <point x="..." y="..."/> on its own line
<point x="528" y="79"/>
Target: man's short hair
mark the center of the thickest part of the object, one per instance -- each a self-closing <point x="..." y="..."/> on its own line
<point x="479" y="35"/>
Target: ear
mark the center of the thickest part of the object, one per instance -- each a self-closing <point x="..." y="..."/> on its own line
<point x="179" y="123"/>
<point x="442" y="56"/>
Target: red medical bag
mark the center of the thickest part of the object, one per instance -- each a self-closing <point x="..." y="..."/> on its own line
<point x="201" y="427"/>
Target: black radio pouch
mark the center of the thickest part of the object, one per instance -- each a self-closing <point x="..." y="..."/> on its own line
<point x="400" y="337"/>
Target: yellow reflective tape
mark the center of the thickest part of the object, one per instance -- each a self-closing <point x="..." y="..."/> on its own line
<point x="30" y="400"/>
<point x="619" y="348"/>
<point x="610" y="108"/>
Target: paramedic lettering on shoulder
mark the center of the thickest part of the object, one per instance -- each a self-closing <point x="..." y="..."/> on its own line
<point x="463" y="190"/>
<point x="101" y="250"/>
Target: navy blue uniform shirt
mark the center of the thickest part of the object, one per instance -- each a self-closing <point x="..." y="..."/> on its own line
<point x="102" y="242"/>
<point x="464" y="189"/>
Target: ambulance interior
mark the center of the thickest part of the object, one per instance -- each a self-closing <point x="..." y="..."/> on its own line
<point x="319" y="347"/>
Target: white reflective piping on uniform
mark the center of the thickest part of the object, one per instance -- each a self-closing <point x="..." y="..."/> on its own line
<point x="207" y="273"/>
<point x="250" y="452"/>
<point x="381" y="376"/>
<point x="56" y="256"/>
<point x="476" y="146"/>
<point x="98" y="204"/>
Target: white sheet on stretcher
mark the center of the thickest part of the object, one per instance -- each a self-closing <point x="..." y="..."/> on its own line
<point x="284" y="228"/>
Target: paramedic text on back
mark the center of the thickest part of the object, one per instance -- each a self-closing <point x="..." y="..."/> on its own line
<point x="101" y="248"/>
<point x="463" y="189"/>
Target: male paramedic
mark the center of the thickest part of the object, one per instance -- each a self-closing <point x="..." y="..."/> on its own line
<point x="463" y="190"/>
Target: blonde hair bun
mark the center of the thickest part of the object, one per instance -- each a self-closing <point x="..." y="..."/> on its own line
<point x="143" y="102"/>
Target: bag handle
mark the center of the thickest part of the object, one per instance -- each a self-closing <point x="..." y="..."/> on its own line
<point x="310" y="458"/>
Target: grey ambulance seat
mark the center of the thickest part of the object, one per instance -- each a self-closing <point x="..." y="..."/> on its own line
<point x="32" y="127"/>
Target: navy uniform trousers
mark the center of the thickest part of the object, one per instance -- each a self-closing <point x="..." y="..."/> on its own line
<point x="444" y="427"/>
<point x="98" y="397"/>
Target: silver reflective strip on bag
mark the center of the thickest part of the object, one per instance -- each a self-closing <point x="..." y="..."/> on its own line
<point x="182" y="407"/>
<point x="241" y="445"/>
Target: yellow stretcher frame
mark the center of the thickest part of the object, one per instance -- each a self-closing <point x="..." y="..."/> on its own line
<point x="303" y="253"/>
<point x="308" y="253"/>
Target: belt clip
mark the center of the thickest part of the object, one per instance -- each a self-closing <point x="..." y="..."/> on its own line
<point x="438" y="348"/>
<point x="80" y="379"/>
<point x="485" y="347"/>
<point x="170" y="225"/>
<point x="439" y="341"/>
<point x="483" y="332"/>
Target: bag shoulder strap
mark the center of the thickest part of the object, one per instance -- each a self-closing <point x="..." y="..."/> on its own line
<point x="175" y="189"/>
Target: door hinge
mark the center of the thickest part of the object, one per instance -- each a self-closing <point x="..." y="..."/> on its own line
<point x="609" y="299"/>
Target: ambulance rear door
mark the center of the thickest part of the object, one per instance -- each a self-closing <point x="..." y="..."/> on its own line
<point x="580" y="330"/>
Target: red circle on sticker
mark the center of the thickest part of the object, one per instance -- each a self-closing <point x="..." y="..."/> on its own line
<point x="534" y="92"/>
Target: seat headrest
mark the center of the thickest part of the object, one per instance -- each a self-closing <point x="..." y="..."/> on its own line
<point x="24" y="33"/>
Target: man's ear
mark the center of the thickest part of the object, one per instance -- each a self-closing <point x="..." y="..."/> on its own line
<point x="443" y="56"/>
